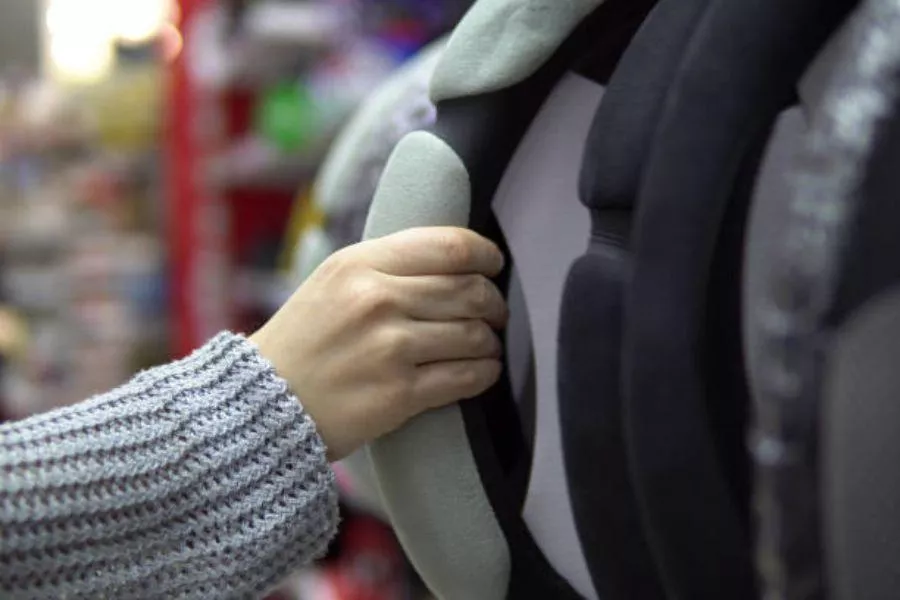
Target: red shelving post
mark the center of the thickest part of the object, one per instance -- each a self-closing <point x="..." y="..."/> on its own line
<point x="197" y="218"/>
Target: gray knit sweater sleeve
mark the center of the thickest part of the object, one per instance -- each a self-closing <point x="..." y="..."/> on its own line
<point x="203" y="478"/>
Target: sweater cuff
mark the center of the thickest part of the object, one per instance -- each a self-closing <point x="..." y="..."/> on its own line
<point x="201" y="478"/>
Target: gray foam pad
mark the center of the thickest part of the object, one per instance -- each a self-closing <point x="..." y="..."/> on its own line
<point x="449" y="530"/>
<point x="372" y="125"/>
<point x="861" y="453"/>
<point x="501" y="42"/>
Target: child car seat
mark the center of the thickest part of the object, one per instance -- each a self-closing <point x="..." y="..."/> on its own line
<point x="685" y="390"/>
<point x="455" y="481"/>
<point x="675" y="444"/>
<point x="826" y="330"/>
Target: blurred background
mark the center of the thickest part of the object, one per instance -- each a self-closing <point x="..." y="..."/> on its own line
<point x="157" y="164"/>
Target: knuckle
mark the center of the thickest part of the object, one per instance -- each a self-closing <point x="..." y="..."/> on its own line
<point x="482" y="375"/>
<point x="455" y="248"/>
<point x="480" y="295"/>
<point x="479" y="335"/>
<point x="470" y="377"/>
<point x="369" y="294"/>
<point x="396" y="341"/>
<point x="334" y="266"/>
<point x="398" y="392"/>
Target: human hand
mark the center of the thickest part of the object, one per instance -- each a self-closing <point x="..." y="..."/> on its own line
<point x="387" y="329"/>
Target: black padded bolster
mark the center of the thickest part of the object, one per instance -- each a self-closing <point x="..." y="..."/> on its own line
<point x="740" y="69"/>
<point x="589" y="360"/>
<point x="485" y="131"/>
<point x="621" y="135"/>
<point x="601" y="493"/>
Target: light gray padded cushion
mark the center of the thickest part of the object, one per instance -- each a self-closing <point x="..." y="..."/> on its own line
<point x="444" y="534"/>
<point x="499" y="43"/>
<point x="370" y="126"/>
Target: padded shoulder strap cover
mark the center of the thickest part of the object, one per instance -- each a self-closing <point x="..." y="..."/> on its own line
<point x="434" y="446"/>
<point x="500" y="43"/>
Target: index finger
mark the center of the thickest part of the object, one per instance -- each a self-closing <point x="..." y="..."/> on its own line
<point x="435" y="251"/>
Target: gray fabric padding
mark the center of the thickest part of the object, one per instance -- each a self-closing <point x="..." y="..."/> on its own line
<point x="428" y="477"/>
<point x="767" y="223"/>
<point x="861" y="453"/>
<point x="365" y="494"/>
<point x="817" y="77"/>
<point x="499" y="43"/>
<point x="358" y="140"/>
<point x="770" y="209"/>
<point x="405" y="198"/>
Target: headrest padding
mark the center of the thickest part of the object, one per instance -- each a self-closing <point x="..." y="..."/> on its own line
<point x="499" y="43"/>
<point x="373" y="126"/>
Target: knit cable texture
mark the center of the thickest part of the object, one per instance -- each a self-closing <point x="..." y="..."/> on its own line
<point x="203" y="478"/>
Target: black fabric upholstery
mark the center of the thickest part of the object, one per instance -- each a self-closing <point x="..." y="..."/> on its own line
<point x="740" y="69"/>
<point x="622" y="132"/>
<point x="485" y="131"/>
<point x="590" y="416"/>
<point x="600" y="489"/>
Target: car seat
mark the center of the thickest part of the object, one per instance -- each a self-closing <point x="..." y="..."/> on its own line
<point x="648" y="332"/>
<point x="456" y="481"/>
<point x="823" y="330"/>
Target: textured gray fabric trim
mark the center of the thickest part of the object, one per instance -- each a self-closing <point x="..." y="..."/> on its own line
<point x="428" y="477"/>
<point x="803" y="284"/>
<point x="769" y="209"/>
<point x="815" y="81"/>
<point x="501" y="42"/>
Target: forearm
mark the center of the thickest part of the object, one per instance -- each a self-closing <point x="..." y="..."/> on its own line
<point x="203" y="478"/>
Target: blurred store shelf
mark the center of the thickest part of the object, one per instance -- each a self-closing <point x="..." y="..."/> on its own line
<point x="251" y="162"/>
<point x="260" y="289"/>
<point x="277" y="38"/>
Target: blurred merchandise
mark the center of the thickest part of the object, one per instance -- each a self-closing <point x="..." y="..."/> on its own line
<point x="80" y="236"/>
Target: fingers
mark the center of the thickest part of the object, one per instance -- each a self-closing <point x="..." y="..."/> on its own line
<point x="434" y="251"/>
<point x="451" y="341"/>
<point x="443" y="383"/>
<point x="452" y="298"/>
